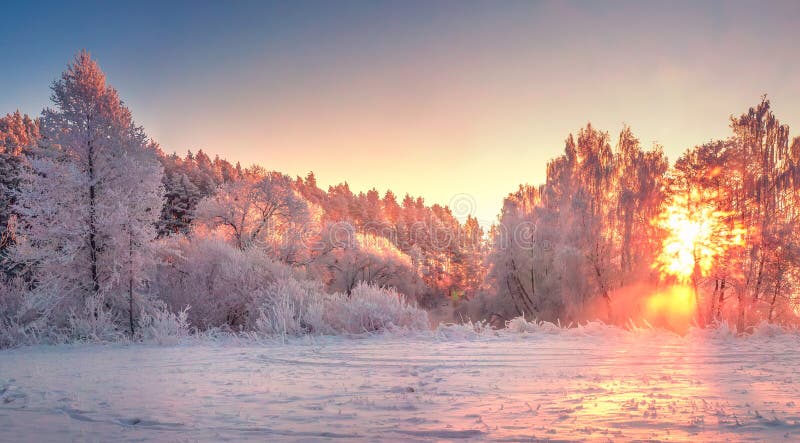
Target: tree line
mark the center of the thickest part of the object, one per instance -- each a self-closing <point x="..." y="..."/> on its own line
<point x="599" y="240"/>
<point x="104" y="234"/>
<point x="102" y="230"/>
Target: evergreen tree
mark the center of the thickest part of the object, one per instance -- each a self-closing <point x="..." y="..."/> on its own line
<point x="89" y="203"/>
<point x="17" y="133"/>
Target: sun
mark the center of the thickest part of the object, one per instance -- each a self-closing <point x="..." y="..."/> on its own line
<point x="683" y="244"/>
<point x="697" y="234"/>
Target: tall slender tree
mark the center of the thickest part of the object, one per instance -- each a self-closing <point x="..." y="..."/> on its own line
<point x="89" y="202"/>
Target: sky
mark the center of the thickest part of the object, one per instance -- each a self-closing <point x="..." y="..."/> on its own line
<point x="453" y="101"/>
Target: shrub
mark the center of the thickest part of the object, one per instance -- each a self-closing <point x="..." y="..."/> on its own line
<point x="165" y="327"/>
<point x="291" y="307"/>
<point x="219" y="281"/>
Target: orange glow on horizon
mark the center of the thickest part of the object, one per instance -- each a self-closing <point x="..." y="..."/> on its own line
<point x="696" y="236"/>
<point x="672" y="308"/>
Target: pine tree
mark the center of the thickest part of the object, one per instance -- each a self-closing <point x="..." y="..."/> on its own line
<point x="89" y="203"/>
<point x="17" y="133"/>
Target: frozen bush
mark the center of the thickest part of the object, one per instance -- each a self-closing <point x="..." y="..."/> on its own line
<point x="464" y="331"/>
<point x="19" y="325"/>
<point x="12" y="333"/>
<point x="294" y="307"/>
<point x="720" y="330"/>
<point x="493" y="308"/>
<point x="286" y="305"/>
<point x="11" y="297"/>
<point x="766" y="329"/>
<point x="370" y="308"/>
<point x="23" y="321"/>
<point x="219" y="281"/>
<point x="165" y="327"/>
<point x="245" y="290"/>
<point x="95" y="323"/>
<point x="519" y="325"/>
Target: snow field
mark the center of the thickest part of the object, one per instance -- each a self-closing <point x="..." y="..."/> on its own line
<point x="593" y="383"/>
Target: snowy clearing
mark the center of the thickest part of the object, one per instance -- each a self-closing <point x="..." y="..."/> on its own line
<point x="452" y="384"/>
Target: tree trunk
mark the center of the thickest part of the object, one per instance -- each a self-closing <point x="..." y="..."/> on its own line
<point x="92" y="214"/>
<point x="712" y="307"/>
<point x="604" y="291"/>
<point x="130" y="280"/>
<point x="521" y="312"/>
<point x="740" y="320"/>
<point x="721" y="300"/>
<point x="772" y="303"/>
<point x="527" y="300"/>
<point x="696" y="292"/>
<point x="759" y="276"/>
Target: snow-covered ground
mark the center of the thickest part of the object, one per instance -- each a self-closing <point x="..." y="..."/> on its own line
<point x="584" y="384"/>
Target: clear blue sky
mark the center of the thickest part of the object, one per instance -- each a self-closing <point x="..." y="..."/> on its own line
<point x="431" y="98"/>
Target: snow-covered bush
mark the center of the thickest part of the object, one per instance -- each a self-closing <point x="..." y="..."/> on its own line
<point x="94" y="322"/>
<point x="246" y="290"/>
<point x="370" y="308"/>
<point x="466" y="330"/>
<point x="11" y="297"/>
<point x="165" y="327"/>
<point x="494" y="308"/>
<point x="11" y="332"/>
<point x="219" y="281"/>
<point x="16" y="328"/>
<point x="292" y="307"/>
<point x="768" y="330"/>
<point x="722" y="330"/>
<point x="520" y="325"/>
<point x="24" y="322"/>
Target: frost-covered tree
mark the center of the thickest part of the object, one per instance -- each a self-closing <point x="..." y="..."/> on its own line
<point x="17" y="133"/>
<point x="560" y="250"/>
<point x="753" y="179"/>
<point x="89" y="203"/>
<point x="182" y="196"/>
<point x="348" y="258"/>
<point x="262" y="208"/>
<point x="187" y="180"/>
